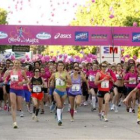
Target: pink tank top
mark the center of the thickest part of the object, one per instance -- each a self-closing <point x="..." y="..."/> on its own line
<point x="15" y="79"/>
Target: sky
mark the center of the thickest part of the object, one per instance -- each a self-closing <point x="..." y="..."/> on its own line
<point x="40" y="12"/>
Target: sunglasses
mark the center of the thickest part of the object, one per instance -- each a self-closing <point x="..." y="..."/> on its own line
<point x="76" y="69"/>
<point x="36" y="71"/>
<point x="104" y="66"/>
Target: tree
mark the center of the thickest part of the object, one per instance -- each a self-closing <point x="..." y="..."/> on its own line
<point x="109" y="13"/>
<point x="3" y="16"/>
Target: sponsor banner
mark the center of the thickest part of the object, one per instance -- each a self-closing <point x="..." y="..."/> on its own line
<point x="69" y="35"/>
<point x="20" y="48"/>
<point x="126" y="36"/>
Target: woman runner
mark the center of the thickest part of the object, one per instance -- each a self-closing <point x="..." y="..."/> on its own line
<point x="61" y="78"/>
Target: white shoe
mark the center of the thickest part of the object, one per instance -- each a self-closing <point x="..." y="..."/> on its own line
<point x="75" y="111"/>
<point x="69" y="108"/>
<point x="36" y="119"/>
<point x="112" y="107"/>
<point x="15" y="125"/>
<point x="72" y="120"/>
<point x="116" y="109"/>
<point x="105" y="118"/>
<point x="33" y="116"/>
<point x="21" y="114"/>
<point x="130" y="110"/>
<point x="85" y="103"/>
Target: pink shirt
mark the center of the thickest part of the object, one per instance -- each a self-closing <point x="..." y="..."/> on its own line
<point x="131" y="76"/>
<point x="15" y="79"/>
<point x="91" y="78"/>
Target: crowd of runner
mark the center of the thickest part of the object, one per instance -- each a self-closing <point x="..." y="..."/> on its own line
<point x="53" y="83"/>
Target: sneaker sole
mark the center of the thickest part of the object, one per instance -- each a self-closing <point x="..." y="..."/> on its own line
<point x="60" y="123"/>
<point x="15" y="127"/>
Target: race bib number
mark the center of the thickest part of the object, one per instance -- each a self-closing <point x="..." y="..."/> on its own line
<point x="118" y="76"/>
<point x="14" y="78"/>
<point x="59" y="82"/>
<point x="132" y="80"/>
<point x="138" y="78"/>
<point x="105" y="84"/>
<point x="75" y="87"/>
<point x="36" y="88"/>
<point x="91" y="78"/>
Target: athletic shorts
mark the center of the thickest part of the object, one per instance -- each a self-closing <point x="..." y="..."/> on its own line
<point x="120" y="89"/>
<point x="84" y="89"/>
<point x="8" y="89"/>
<point x="101" y="94"/>
<point x="60" y="93"/>
<point x="95" y="89"/>
<point x="1" y="94"/>
<point x="27" y="95"/>
<point x="18" y="92"/>
<point x="129" y="89"/>
<point x="45" y="90"/>
<point x="38" y="96"/>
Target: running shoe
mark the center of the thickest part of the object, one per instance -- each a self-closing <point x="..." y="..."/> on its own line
<point x="15" y="125"/>
<point x="93" y="109"/>
<point x="120" y="104"/>
<point x="21" y="114"/>
<point x="100" y="116"/>
<point x="133" y="110"/>
<point x="112" y="107"/>
<point x="36" y="119"/>
<point x="42" y="111"/>
<point x="59" y="123"/>
<point x="105" y="119"/>
<point x="5" y="107"/>
<point x="72" y="119"/>
<point x="85" y="103"/>
<point x="127" y="109"/>
<point x="33" y="116"/>
<point x="138" y="121"/>
<point x="52" y="108"/>
<point x="69" y="106"/>
<point x="116" y="109"/>
<point x="130" y="110"/>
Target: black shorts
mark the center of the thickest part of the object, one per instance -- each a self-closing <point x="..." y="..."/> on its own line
<point x="120" y="89"/>
<point x="45" y="90"/>
<point x="1" y="94"/>
<point x="95" y="89"/>
<point x="129" y="89"/>
<point x="101" y="94"/>
<point x="8" y="89"/>
<point x="84" y="89"/>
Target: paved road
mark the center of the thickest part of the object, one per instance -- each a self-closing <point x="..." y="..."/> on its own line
<point x="87" y="126"/>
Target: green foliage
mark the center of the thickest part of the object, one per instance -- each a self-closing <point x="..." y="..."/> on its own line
<point x="3" y="16"/>
<point x="125" y="12"/>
